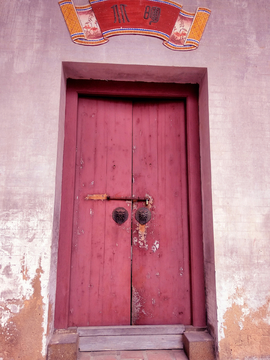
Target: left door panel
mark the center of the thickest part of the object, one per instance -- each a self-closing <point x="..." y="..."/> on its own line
<point x="101" y="251"/>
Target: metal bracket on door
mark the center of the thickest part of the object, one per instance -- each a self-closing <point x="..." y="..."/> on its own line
<point x="107" y="197"/>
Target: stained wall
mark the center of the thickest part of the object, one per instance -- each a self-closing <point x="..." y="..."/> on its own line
<point x="232" y="66"/>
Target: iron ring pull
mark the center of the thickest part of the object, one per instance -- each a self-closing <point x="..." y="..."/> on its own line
<point x="142" y="215"/>
<point x="120" y="214"/>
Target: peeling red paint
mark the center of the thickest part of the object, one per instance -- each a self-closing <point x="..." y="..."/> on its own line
<point x="141" y="241"/>
<point x="136" y="305"/>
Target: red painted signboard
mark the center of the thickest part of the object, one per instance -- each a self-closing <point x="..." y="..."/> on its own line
<point x="93" y="24"/>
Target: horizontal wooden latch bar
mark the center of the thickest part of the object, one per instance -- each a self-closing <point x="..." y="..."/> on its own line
<point x="107" y="197"/>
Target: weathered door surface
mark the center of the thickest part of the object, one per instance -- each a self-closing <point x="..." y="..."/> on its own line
<point x="101" y="255"/>
<point x="160" y="261"/>
<point x="130" y="273"/>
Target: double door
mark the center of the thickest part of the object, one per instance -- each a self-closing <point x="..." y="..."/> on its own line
<point x="130" y="256"/>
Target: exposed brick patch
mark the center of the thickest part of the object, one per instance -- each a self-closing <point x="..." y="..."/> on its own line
<point x="21" y="338"/>
<point x="247" y="333"/>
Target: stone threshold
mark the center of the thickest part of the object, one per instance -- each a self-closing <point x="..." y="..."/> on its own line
<point x="193" y="344"/>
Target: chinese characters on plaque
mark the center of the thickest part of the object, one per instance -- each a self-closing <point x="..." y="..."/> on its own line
<point x="94" y="23"/>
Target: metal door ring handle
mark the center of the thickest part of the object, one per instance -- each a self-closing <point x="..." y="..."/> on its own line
<point x="120" y="215"/>
<point x="143" y="215"/>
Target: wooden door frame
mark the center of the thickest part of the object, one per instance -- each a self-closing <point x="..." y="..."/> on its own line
<point x="189" y="93"/>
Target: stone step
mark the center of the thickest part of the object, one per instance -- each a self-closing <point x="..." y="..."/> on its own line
<point x="134" y="355"/>
<point x="197" y="345"/>
<point x="146" y="337"/>
<point x="131" y="330"/>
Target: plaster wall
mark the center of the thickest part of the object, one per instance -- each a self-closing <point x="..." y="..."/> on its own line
<point x="232" y="65"/>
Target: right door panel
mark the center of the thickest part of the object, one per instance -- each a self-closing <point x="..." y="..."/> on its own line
<point x="160" y="252"/>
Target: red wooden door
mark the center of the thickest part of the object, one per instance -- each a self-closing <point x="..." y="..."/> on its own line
<point x="100" y="263"/>
<point x="160" y="261"/>
<point x="130" y="273"/>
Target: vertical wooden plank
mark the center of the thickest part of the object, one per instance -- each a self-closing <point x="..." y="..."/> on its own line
<point x="195" y="213"/>
<point x="160" y="266"/>
<point x="65" y="231"/>
<point x="100" y="266"/>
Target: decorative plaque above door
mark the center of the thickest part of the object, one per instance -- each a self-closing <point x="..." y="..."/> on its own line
<point x="94" y="23"/>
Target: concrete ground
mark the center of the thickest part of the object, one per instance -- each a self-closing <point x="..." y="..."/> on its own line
<point x="134" y="355"/>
